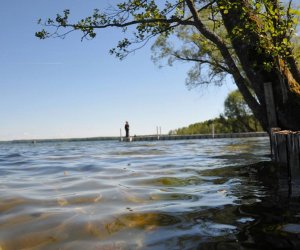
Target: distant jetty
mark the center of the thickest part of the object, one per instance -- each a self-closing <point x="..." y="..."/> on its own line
<point x="189" y="137"/>
<point x="145" y="138"/>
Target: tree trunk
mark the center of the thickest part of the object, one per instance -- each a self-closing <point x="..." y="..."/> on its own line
<point x="258" y="108"/>
<point x="253" y="58"/>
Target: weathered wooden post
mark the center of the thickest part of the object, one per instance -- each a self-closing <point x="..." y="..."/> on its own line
<point x="270" y="105"/>
<point x="274" y="144"/>
<point x="286" y="145"/>
<point x="293" y="162"/>
<point x="271" y="115"/>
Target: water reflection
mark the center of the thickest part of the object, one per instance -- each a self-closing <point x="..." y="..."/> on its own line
<point x="194" y="194"/>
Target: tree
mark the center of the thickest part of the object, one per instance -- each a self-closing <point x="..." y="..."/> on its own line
<point x="237" y="118"/>
<point x="262" y="44"/>
<point x="238" y="114"/>
<point x="251" y="40"/>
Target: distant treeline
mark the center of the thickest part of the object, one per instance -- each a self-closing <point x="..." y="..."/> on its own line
<point x="237" y="118"/>
<point x="221" y="125"/>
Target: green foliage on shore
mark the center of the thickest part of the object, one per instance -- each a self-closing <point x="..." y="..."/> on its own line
<point x="237" y="118"/>
<point x="221" y="125"/>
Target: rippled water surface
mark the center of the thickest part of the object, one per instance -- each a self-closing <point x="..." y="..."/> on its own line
<point x="118" y="195"/>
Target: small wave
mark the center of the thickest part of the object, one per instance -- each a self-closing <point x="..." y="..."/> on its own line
<point x="13" y="155"/>
<point x="168" y="181"/>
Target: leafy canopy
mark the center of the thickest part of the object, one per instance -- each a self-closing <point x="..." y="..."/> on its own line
<point x="174" y="19"/>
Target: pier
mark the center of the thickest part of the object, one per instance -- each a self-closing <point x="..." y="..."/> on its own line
<point x="159" y="137"/>
<point x="190" y="137"/>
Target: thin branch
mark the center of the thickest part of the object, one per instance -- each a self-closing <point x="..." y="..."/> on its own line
<point x="146" y="40"/>
<point x="206" y="6"/>
<point x="74" y="27"/>
<point x="202" y="61"/>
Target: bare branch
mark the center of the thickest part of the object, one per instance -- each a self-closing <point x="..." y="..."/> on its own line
<point x="203" y="61"/>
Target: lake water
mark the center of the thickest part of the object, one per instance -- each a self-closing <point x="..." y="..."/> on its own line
<point x="119" y="195"/>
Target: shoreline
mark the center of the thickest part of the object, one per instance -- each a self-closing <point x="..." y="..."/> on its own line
<point x="144" y="137"/>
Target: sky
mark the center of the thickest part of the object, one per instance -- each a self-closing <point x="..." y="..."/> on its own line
<point x="66" y="88"/>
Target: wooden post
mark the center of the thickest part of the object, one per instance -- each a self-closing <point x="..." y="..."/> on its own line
<point x="121" y="139"/>
<point x="274" y="144"/>
<point x="293" y="162"/>
<point x="282" y="149"/>
<point x="270" y="105"/>
<point x="286" y="152"/>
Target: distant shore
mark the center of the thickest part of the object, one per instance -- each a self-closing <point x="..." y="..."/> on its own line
<point x="100" y="138"/>
<point x="145" y="137"/>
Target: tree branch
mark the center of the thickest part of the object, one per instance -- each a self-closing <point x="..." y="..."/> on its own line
<point x="120" y="25"/>
<point x="202" y="61"/>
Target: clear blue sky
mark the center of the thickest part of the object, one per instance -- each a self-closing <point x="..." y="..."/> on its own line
<point x="67" y="88"/>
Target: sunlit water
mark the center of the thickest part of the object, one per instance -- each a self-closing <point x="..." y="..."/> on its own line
<point x="119" y="195"/>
